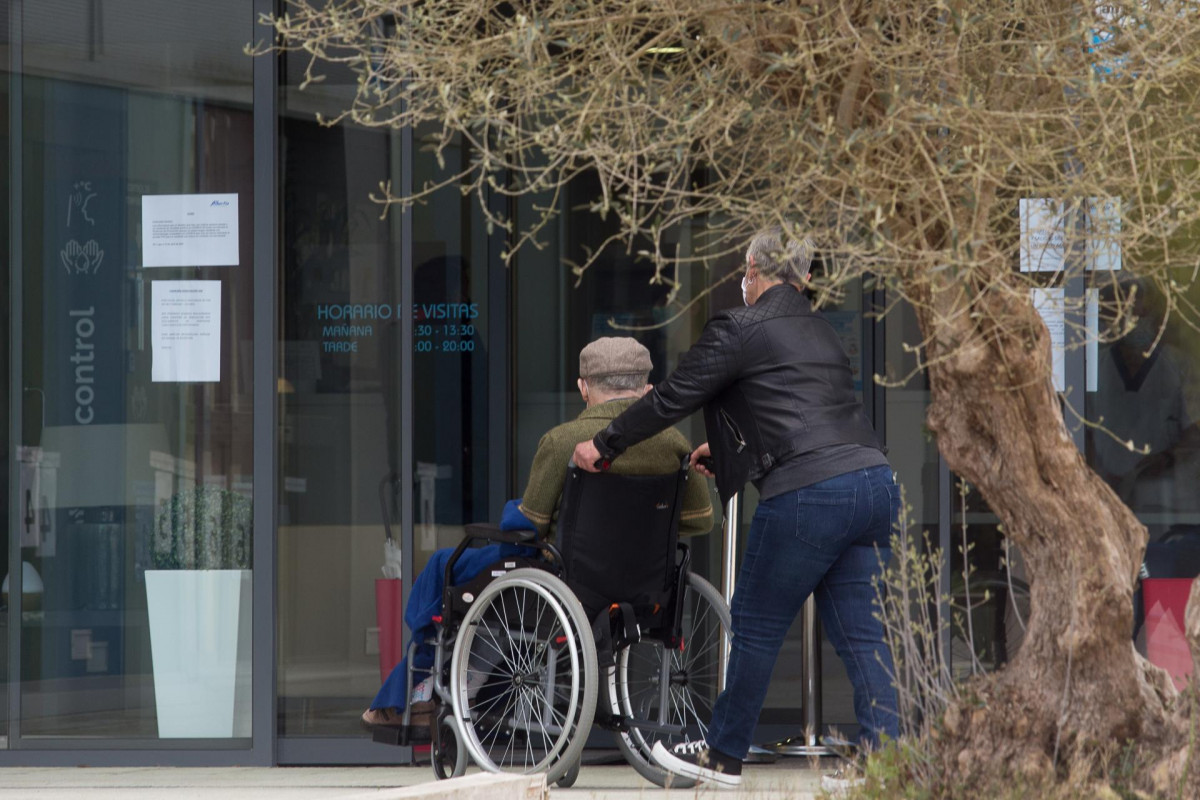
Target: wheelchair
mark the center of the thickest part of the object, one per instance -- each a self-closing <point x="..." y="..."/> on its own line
<point x="608" y="626"/>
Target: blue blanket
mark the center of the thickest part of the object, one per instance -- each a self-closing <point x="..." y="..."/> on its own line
<point x="425" y="601"/>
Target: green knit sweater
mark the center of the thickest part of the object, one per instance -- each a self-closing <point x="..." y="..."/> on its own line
<point x="659" y="454"/>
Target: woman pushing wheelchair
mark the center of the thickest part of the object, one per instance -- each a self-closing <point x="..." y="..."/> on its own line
<point x="780" y="411"/>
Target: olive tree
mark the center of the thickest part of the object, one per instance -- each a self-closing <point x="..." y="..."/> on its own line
<point x="903" y="136"/>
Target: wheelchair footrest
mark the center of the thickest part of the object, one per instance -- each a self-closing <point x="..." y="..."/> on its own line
<point x="399" y="735"/>
<point x="651" y="727"/>
<point x="614" y="724"/>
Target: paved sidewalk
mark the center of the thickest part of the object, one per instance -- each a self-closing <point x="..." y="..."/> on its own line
<point x="785" y="780"/>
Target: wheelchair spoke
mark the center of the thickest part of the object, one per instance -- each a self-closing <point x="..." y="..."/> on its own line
<point x="703" y="692"/>
<point x="490" y="641"/>
<point x="708" y="655"/>
<point x="690" y="699"/>
<point x="532" y="701"/>
<point x="643" y="697"/>
<point x="531" y="621"/>
<point x="520" y="626"/>
<point x="488" y="674"/>
<point x="502" y="648"/>
<point x="707" y="677"/>
<point x="679" y="706"/>
<point x="700" y="613"/>
<point x="526" y="646"/>
<point x="557" y="718"/>
<point x="499" y="708"/>
<point x="485" y="708"/>
<point x="503" y="652"/>
<point x="491" y="735"/>
<point x="506" y="624"/>
<point x="506" y="753"/>
<point x="533" y="631"/>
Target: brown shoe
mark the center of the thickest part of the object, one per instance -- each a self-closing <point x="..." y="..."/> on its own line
<point x="421" y="714"/>
<point x="386" y="717"/>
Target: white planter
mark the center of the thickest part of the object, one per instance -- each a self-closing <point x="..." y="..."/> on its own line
<point x="200" y="642"/>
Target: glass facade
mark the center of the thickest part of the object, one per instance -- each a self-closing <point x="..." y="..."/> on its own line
<point x="130" y="399"/>
<point x="219" y="346"/>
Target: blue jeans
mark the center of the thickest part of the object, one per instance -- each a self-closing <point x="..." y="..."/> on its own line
<point x="832" y="539"/>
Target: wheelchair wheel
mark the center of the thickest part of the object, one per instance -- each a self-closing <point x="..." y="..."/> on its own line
<point x="572" y="775"/>
<point x="448" y="756"/>
<point x="524" y="677"/>
<point x="674" y="687"/>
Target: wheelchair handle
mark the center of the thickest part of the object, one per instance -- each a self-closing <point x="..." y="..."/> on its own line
<point x="601" y="464"/>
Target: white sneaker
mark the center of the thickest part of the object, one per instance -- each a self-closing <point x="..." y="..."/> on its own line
<point x="842" y="780"/>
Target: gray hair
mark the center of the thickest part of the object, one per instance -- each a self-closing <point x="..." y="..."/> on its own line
<point x="775" y="258"/>
<point x="620" y="382"/>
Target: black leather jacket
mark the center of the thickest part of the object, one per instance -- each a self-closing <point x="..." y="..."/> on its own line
<point x="774" y="382"/>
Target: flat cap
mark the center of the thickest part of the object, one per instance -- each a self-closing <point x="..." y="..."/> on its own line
<point x="614" y="355"/>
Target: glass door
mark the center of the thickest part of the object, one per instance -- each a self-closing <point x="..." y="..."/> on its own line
<point x="340" y="430"/>
<point x="130" y="234"/>
<point x="392" y="406"/>
<point x="7" y="251"/>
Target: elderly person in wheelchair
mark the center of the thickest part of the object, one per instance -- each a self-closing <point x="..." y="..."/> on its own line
<point x="612" y="374"/>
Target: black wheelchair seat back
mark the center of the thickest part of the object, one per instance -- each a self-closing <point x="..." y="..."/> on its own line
<point x="618" y="537"/>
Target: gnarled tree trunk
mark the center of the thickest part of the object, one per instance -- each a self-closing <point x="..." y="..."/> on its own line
<point x="1077" y="684"/>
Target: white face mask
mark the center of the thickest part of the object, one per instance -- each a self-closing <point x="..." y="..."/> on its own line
<point x="745" y="300"/>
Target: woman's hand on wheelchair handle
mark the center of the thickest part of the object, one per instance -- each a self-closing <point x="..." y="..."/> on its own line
<point x="702" y="461"/>
<point x="587" y="457"/>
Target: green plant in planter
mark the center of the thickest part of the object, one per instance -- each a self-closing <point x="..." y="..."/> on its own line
<point x="203" y="527"/>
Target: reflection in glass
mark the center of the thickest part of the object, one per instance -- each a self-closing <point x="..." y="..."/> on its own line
<point x="1147" y="395"/>
<point x="339" y="438"/>
<point x="451" y="395"/>
<point x="1144" y="441"/>
<point x="989" y="589"/>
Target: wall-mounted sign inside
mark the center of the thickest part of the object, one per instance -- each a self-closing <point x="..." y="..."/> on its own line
<point x="437" y="327"/>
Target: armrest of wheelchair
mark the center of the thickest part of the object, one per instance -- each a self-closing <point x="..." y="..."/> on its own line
<point x="492" y="533"/>
<point x="480" y="532"/>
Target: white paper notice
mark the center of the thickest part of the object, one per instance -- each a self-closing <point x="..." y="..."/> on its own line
<point x="1049" y="303"/>
<point x="1043" y="248"/>
<point x="1044" y="242"/>
<point x="185" y="331"/>
<point x="189" y="230"/>
<point x="1104" y="234"/>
